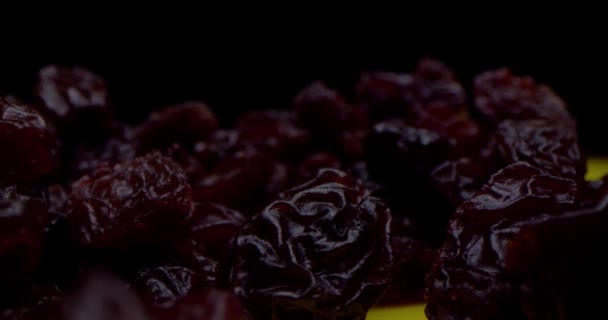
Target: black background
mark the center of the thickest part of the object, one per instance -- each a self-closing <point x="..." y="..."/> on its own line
<point x="235" y="67"/>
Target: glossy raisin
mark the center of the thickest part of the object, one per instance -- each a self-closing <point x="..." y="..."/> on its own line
<point x="500" y="95"/>
<point x="468" y="278"/>
<point x="320" y="251"/>
<point x="543" y="144"/>
<point x="142" y="201"/>
<point x="29" y="144"/>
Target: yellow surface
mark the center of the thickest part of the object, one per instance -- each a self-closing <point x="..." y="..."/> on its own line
<point x="596" y="168"/>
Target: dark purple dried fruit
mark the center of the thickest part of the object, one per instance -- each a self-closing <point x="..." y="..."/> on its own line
<point x="29" y="144"/>
<point x="78" y="99"/>
<point x="185" y="124"/>
<point x="499" y="95"/>
<point x="321" y="251"/>
<point x="468" y="278"/>
<point x="544" y="144"/>
<point x="142" y="201"/>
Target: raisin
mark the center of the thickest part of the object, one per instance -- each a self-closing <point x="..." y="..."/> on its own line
<point x="543" y="144"/>
<point x="320" y="251"/>
<point x="185" y="123"/>
<point x="78" y="99"/>
<point x="142" y="201"/>
<point x="468" y="278"/>
<point x="459" y="179"/>
<point x="23" y="219"/>
<point x="32" y="143"/>
<point x="500" y="95"/>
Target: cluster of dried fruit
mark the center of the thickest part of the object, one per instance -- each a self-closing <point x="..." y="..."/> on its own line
<point x="315" y="213"/>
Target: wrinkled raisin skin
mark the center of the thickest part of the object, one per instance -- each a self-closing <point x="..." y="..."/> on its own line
<point x="500" y="95"/>
<point x="468" y="279"/>
<point x="127" y="203"/>
<point x="321" y="251"/>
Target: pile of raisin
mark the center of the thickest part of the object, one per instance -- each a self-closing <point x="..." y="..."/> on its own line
<point x="413" y="190"/>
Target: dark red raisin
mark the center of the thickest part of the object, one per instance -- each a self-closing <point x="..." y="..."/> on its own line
<point x="468" y="278"/>
<point x="144" y="200"/>
<point x="544" y="144"/>
<point x="500" y="95"/>
<point x="320" y="251"/>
